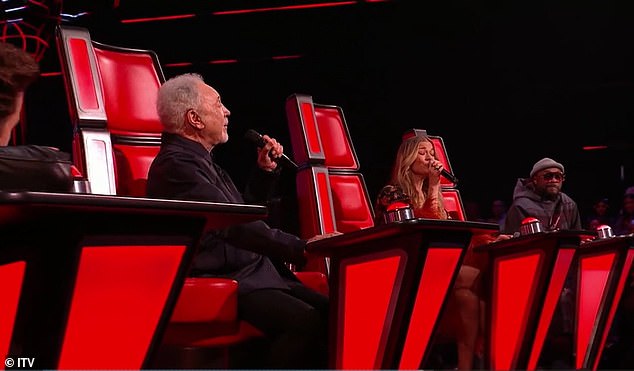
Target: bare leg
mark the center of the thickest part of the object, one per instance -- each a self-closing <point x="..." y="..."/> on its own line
<point x="468" y="305"/>
<point x="462" y="319"/>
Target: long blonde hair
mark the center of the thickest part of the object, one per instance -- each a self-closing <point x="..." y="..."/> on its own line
<point x="401" y="170"/>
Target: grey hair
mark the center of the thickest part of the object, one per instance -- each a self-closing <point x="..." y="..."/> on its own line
<point x="176" y="96"/>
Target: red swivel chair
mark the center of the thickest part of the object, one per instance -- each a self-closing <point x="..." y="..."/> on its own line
<point x="111" y="94"/>
<point x="332" y="195"/>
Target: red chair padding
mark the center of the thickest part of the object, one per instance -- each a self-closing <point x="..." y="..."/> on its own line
<point x="335" y="140"/>
<point x="133" y="163"/>
<point x="453" y="204"/>
<point x="130" y="81"/>
<point x="350" y="202"/>
<point x="205" y="299"/>
<point x="206" y="315"/>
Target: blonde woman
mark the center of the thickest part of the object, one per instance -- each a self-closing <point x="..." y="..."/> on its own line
<point x="415" y="180"/>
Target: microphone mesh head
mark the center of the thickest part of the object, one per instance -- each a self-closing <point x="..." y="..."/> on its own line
<point x="254" y="137"/>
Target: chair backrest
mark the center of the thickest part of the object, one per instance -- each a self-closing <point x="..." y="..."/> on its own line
<point x="111" y="94"/>
<point x="453" y="203"/>
<point x="332" y="194"/>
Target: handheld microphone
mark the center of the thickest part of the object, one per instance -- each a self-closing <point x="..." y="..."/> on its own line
<point x="257" y="139"/>
<point x="452" y="178"/>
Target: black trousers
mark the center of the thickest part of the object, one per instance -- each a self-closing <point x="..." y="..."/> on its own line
<point x="295" y="322"/>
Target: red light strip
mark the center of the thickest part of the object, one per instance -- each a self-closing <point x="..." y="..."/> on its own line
<point x="163" y="18"/>
<point x="254" y="10"/>
<point x="287" y="7"/>
<point x="50" y="74"/>
<point x="593" y="148"/>
<point x="181" y="64"/>
<point x="223" y="61"/>
<point x="282" y="57"/>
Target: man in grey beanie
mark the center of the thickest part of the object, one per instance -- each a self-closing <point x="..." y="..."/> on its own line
<point x="540" y="196"/>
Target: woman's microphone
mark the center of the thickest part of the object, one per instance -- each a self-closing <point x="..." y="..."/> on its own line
<point x="452" y="178"/>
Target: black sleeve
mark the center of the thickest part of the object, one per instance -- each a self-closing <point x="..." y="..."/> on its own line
<point x="35" y="168"/>
<point x="258" y="237"/>
<point x="261" y="185"/>
<point x="513" y="220"/>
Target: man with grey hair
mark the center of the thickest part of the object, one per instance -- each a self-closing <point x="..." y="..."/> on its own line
<point x="270" y="297"/>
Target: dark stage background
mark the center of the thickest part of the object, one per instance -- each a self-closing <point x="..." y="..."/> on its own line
<point x="504" y="83"/>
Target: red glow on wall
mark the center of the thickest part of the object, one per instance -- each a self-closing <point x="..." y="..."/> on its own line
<point x="593" y="148"/>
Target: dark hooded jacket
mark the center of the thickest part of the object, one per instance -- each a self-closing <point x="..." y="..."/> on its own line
<point x="561" y="213"/>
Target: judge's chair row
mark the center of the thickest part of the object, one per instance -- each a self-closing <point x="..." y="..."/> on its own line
<point x="332" y="196"/>
<point x="111" y="94"/>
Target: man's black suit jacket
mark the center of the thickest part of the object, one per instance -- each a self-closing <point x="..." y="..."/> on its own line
<point x="185" y="170"/>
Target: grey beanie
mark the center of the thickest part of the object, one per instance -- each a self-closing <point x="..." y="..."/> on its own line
<point x="546" y="163"/>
